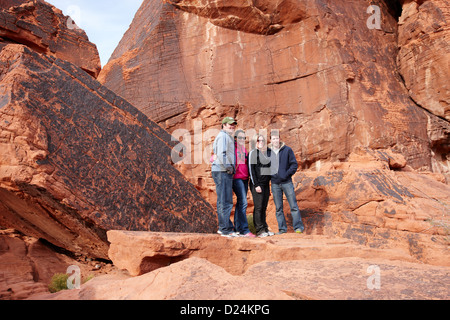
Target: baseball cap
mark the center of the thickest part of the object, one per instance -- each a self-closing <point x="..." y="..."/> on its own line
<point x="229" y="120"/>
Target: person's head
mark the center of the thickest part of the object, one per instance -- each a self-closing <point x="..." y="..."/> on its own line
<point x="228" y="125"/>
<point x="259" y="142"/>
<point x="240" y="137"/>
<point x="275" y="139"/>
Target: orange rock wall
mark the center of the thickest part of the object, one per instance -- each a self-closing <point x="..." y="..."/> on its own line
<point x="316" y="71"/>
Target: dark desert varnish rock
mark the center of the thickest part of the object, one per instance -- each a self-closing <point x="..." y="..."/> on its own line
<point x="77" y="160"/>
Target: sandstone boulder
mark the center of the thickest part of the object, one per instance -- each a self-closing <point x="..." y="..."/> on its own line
<point x="42" y="27"/>
<point x="142" y="252"/>
<point x="77" y="160"/>
<point x="193" y="279"/>
<point x="295" y="278"/>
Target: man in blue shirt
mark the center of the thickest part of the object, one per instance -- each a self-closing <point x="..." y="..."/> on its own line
<point x="223" y="169"/>
<point x="282" y="183"/>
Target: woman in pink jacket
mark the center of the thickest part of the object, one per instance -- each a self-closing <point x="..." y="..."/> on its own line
<point x="240" y="185"/>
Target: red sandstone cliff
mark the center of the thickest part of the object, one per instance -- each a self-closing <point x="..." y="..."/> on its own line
<point x="364" y="110"/>
<point x="312" y="69"/>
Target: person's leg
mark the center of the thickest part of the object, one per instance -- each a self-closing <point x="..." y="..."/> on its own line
<point x="240" y="188"/>
<point x="228" y="201"/>
<point x="289" y="191"/>
<point x="277" y="193"/>
<point x="265" y="202"/>
<point x="257" y="210"/>
<point x="224" y="190"/>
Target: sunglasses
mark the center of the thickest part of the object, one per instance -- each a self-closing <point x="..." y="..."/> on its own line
<point x="242" y="138"/>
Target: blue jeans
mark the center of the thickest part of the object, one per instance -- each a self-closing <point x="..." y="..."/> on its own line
<point x="240" y="188"/>
<point x="288" y="190"/>
<point x="224" y="190"/>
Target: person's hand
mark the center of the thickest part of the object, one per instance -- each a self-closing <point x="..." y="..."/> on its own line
<point x="258" y="189"/>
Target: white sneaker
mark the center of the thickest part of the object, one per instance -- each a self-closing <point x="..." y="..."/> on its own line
<point x="230" y="235"/>
<point x="263" y="235"/>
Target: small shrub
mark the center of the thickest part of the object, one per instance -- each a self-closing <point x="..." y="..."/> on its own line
<point x="251" y="225"/>
<point x="58" y="282"/>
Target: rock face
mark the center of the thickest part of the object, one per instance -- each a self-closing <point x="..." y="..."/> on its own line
<point x="260" y="17"/>
<point x="364" y="201"/>
<point x="77" y="160"/>
<point x="424" y="57"/>
<point x="46" y="30"/>
<point x="328" y="279"/>
<point x="312" y="69"/>
<point x="423" y="60"/>
<point x="26" y="266"/>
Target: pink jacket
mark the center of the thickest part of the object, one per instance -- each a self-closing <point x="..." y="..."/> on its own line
<point x="241" y="163"/>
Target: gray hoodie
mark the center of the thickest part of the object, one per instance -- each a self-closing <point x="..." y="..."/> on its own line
<point x="223" y="148"/>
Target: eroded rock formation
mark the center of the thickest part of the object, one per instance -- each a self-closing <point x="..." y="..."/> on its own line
<point x="260" y="17"/>
<point x="26" y="266"/>
<point x="5" y="4"/>
<point x="424" y="57"/>
<point x="424" y="63"/>
<point x="296" y="268"/>
<point x="363" y="200"/>
<point x="46" y="30"/>
<point x="77" y="160"/>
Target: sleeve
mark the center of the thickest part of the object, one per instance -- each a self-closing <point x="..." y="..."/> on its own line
<point x="252" y="163"/>
<point x="221" y="152"/>
<point x="293" y="164"/>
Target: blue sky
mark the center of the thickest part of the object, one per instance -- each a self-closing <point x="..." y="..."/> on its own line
<point x="105" y="22"/>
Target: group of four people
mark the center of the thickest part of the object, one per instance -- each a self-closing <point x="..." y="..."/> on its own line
<point x="264" y="167"/>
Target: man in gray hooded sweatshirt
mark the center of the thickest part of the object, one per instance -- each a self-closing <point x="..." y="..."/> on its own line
<point x="223" y="169"/>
